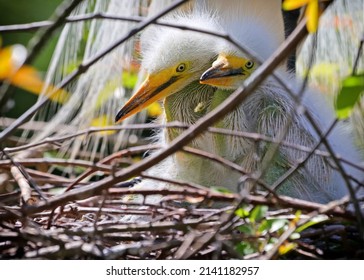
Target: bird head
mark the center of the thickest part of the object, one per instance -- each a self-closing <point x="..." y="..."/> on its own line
<point x="233" y="67"/>
<point x="172" y="60"/>
<point x="228" y="71"/>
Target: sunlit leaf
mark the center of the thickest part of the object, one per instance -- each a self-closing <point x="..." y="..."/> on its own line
<point x="102" y="121"/>
<point x="154" y="109"/>
<point x="327" y="70"/>
<point x="107" y="92"/>
<point x="295" y="235"/>
<point x="27" y="78"/>
<point x="272" y="225"/>
<point x="221" y="189"/>
<point x="312" y="11"/>
<point x="11" y="59"/>
<point x="258" y="213"/>
<point x="351" y="90"/>
<point x="313" y="221"/>
<point x="129" y="79"/>
<point x="242" y="213"/>
<point x="245" y="248"/>
<point x="297" y="216"/>
<point x="285" y="248"/>
<point x="24" y="76"/>
<point x="5" y="64"/>
<point x="312" y="15"/>
<point x="247" y="229"/>
<point x="293" y="4"/>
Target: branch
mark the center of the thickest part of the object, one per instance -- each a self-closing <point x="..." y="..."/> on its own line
<point x="38" y="42"/>
<point x="84" y="67"/>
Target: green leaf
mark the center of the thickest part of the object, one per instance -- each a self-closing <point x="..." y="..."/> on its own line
<point x="352" y="88"/>
<point x="246" y="229"/>
<point x="245" y="248"/>
<point x="295" y="235"/>
<point x="221" y="189"/>
<point x="242" y="213"/>
<point x="129" y="79"/>
<point x="272" y="225"/>
<point x="258" y="213"/>
<point x="313" y="221"/>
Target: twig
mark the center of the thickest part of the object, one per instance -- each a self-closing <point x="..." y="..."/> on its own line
<point x="110" y="158"/>
<point x="58" y="161"/>
<point x="83" y="67"/>
<point x="25" y="182"/>
<point x="357" y="57"/>
<point x="249" y="135"/>
<point x="38" y="42"/>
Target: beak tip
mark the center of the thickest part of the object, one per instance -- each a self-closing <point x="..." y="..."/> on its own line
<point x="205" y="76"/>
<point x="119" y="116"/>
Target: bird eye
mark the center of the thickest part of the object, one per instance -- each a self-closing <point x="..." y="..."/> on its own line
<point x="249" y="64"/>
<point x="181" y="67"/>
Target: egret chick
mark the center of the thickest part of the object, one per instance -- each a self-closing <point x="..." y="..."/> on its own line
<point x="174" y="60"/>
<point x="270" y="111"/>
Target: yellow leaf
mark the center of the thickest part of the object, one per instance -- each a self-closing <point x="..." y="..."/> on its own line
<point x="326" y="69"/>
<point x="27" y="78"/>
<point x="6" y="67"/>
<point x="154" y="109"/>
<point x="101" y="122"/>
<point x="294" y="4"/>
<point x="285" y="248"/>
<point x="312" y="15"/>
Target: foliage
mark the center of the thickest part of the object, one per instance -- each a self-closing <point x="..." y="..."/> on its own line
<point x="351" y="90"/>
<point x="312" y="11"/>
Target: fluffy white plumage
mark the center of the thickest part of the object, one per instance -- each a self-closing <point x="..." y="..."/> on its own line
<point x="266" y="111"/>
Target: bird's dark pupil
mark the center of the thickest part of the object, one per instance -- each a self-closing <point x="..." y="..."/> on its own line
<point x="181" y="68"/>
<point x="249" y="64"/>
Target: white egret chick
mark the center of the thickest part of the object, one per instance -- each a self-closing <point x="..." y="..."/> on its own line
<point x="270" y="111"/>
<point x="174" y="61"/>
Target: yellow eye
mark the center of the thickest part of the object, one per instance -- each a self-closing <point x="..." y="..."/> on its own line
<point x="181" y="67"/>
<point x="249" y="64"/>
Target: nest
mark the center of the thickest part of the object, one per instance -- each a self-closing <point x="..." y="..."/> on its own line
<point x="185" y="224"/>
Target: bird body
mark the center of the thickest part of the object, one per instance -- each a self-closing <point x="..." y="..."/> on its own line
<point x="270" y="111"/>
<point x="175" y="60"/>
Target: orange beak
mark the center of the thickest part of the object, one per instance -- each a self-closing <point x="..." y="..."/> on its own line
<point x="225" y="71"/>
<point x="154" y="88"/>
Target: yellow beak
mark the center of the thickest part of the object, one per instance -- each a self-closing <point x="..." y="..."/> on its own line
<point x="154" y="88"/>
<point x="225" y="71"/>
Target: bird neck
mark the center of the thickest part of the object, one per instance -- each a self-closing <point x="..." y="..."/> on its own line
<point x="187" y="105"/>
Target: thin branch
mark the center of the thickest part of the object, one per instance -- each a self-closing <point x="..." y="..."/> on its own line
<point x="357" y="57"/>
<point x="39" y="41"/>
<point x="175" y="124"/>
<point x="84" y="67"/>
<point x="58" y="161"/>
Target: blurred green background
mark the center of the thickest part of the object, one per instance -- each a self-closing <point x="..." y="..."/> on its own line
<point x="19" y="12"/>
